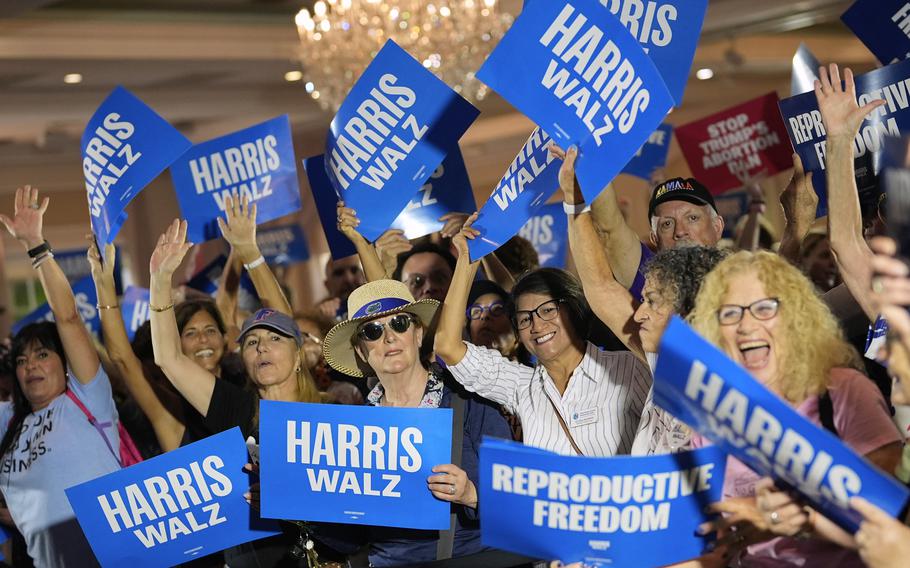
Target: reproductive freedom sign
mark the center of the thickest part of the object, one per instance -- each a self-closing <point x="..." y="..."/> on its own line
<point x="611" y="511"/>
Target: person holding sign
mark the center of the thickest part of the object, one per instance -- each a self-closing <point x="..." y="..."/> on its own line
<point x="383" y="338"/>
<point x="48" y="443"/>
<point x="270" y="349"/>
<point x="578" y="400"/>
<point x="757" y="308"/>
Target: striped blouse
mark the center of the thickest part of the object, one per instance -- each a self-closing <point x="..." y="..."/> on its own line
<point x="601" y="406"/>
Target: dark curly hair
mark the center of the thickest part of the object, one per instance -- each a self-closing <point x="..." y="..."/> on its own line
<point x="679" y="273"/>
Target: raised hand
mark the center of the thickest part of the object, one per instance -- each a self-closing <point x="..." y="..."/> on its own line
<point x="348" y="222"/>
<point x="101" y="271"/>
<point x="568" y="183"/>
<point x="239" y="227"/>
<point x="169" y="251"/>
<point x="388" y="246"/>
<point x="799" y="199"/>
<point x="468" y="232"/>
<point x="452" y="223"/>
<point x="837" y="103"/>
<point x="27" y="224"/>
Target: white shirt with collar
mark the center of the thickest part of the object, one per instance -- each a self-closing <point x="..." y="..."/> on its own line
<point x="601" y="406"/>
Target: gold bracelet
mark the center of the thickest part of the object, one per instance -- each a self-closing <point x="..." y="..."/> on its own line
<point x="100" y="307"/>
<point x="161" y="308"/>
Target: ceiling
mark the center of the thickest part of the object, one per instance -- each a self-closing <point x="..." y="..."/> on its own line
<point x="214" y="66"/>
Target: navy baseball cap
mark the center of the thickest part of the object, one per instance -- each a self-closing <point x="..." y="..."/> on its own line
<point x="274" y="320"/>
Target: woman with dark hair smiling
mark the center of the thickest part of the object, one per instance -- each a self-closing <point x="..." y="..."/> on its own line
<point x="48" y="443"/>
<point x="578" y="399"/>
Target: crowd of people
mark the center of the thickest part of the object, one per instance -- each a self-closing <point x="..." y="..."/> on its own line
<point x="558" y="360"/>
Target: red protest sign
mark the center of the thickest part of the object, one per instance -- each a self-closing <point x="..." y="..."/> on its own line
<point x="725" y="148"/>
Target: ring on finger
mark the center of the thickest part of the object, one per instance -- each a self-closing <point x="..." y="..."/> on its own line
<point x="775" y="517"/>
<point x="452" y="489"/>
<point x="34" y="205"/>
<point x="878" y="285"/>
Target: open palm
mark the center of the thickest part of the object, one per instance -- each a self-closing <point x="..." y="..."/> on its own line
<point x="27" y="224"/>
<point x="840" y="112"/>
<point x="170" y="250"/>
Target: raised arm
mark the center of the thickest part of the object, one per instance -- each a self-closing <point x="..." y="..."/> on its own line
<point x="26" y="226"/>
<point x="842" y="117"/>
<point x="748" y="239"/>
<point x="369" y="259"/>
<point x="192" y="381"/>
<point x="239" y="230"/>
<point x="448" y="344"/>
<point x="621" y="242"/>
<point x="227" y="293"/>
<point x="799" y="203"/>
<point x="611" y="301"/>
<point x="168" y="429"/>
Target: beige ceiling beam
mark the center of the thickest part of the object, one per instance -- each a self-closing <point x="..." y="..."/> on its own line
<point x="92" y="36"/>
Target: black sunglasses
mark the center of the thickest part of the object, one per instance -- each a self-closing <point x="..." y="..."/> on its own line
<point x="371" y="331"/>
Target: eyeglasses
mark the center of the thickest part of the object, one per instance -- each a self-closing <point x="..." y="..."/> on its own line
<point x="476" y="311"/>
<point x="764" y="309"/>
<point x="546" y="311"/>
<point x="371" y="331"/>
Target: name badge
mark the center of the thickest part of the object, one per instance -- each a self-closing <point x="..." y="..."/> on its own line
<point x="583" y="417"/>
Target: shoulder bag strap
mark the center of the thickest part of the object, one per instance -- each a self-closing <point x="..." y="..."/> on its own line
<point x="94" y="422"/>
<point x="446" y="543"/>
<point x="565" y="428"/>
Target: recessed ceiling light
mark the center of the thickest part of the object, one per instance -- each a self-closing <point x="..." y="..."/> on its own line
<point x="705" y="73"/>
<point x="72" y="78"/>
<point x="292" y="76"/>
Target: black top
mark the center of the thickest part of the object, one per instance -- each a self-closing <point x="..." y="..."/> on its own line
<point x="231" y="406"/>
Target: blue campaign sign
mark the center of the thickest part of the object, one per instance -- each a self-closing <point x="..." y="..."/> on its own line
<point x="283" y="245"/>
<point x="124" y="147"/>
<point x="617" y="511"/>
<point x="173" y="508"/>
<point x="364" y="465"/>
<point x="392" y="131"/>
<point x="699" y="385"/>
<point x="548" y="231"/>
<point x="256" y="162"/>
<point x="805" y="71"/>
<point x="883" y="26"/>
<point x="447" y="191"/>
<point x="668" y="31"/>
<point x="807" y="132"/>
<point x="573" y="69"/>
<point x="326" y="205"/>
<point x="531" y="179"/>
<point x="86" y="304"/>
<point x="134" y="307"/>
<point x="652" y="155"/>
<point x="206" y="280"/>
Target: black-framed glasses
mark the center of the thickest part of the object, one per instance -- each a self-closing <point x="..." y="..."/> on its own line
<point x="495" y="309"/>
<point x="764" y="309"/>
<point x="546" y="311"/>
<point x="371" y="331"/>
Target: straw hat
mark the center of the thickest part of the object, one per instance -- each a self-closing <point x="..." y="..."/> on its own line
<point x="370" y="301"/>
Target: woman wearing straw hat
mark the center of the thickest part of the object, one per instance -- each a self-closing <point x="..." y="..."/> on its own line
<point x="383" y="338"/>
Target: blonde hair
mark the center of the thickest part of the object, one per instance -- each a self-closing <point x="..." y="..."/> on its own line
<point x="811" y="343"/>
<point x="307" y="391"/>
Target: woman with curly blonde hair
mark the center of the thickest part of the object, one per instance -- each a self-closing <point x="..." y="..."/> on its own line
<point x="767" y="317"/>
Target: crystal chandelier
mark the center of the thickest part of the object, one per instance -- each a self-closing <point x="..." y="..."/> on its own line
<point x="452" y="38"/>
